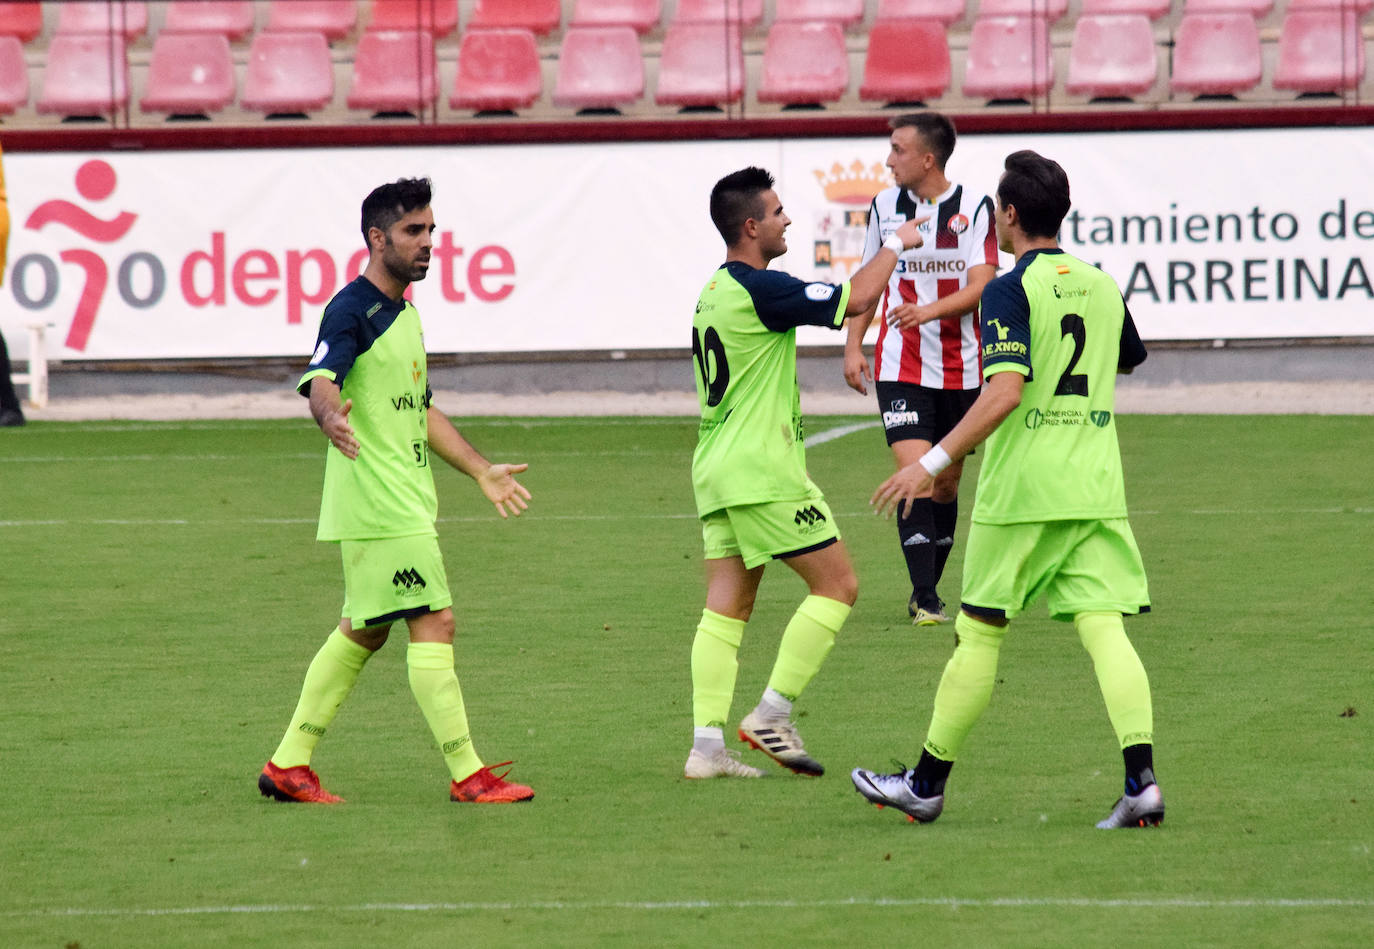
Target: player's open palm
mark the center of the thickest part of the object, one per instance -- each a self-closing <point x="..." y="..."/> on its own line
<point x="499" y="485"/>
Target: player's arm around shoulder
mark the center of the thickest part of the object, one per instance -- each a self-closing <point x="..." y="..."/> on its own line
<point x="497" y="481"/>
<point x="867" y="285"/>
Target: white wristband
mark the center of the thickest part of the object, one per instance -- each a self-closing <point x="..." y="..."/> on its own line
<point x="894" y="244"/>
<point x="935" y="461"/>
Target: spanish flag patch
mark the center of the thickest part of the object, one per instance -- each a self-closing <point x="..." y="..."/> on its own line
<point x="1062" y="269"/>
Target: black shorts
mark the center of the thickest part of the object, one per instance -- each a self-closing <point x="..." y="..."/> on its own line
<point x="916" y="412"/>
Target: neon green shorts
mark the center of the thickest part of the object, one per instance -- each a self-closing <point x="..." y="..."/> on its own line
<point x="1079" y="566"/>
<point x="762" y="532"/>
<point x="393" y="577"/>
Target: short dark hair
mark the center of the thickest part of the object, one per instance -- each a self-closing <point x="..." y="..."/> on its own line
<point x="1039" y="190"/>
<point x="390" y="202"/>
<point x="936" y="131"/>
<point x="735" y="199"/>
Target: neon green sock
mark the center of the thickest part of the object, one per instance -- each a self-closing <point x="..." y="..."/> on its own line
<point x="806" y="642"/>
<point x="966" y="686"/>
<point x="1120" y="675"/>
<point x="714" y="665"/>
<point x="327" y="683"/>
<point x="435" y="684"/>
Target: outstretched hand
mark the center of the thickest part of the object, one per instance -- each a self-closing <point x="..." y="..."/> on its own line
<point x="340" y="434"/>
<point x="499" y="485"/>
<point x="898" y="491"/>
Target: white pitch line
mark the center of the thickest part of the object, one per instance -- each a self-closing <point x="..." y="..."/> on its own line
<point x="1296" y="903"/>
<point x="830" y="434"/>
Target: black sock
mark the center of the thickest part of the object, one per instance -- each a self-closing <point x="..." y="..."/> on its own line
<point x="917" y="533"/>
<point x="930" y="775"/>
<point x="1140" y="768"/>
<point x="946" y="516"/>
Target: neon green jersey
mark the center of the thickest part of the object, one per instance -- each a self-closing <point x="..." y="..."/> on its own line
<point x="373" y="348"/>
<point x="744" y="340"/>
<point x="1063" y="325"/>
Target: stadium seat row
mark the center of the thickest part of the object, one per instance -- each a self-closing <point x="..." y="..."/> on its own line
<point x="339" y="18"/>
<point x="290" y="67"/>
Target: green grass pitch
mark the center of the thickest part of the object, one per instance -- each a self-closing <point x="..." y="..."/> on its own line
<point x="162" y="593"/>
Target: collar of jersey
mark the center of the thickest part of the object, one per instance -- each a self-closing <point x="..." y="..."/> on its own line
<point x="374" y="293"/>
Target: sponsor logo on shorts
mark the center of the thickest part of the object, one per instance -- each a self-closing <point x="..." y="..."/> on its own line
<point x="408" y="582"/>
<point x="809" y="517"/>
<point x="898" y="415"/>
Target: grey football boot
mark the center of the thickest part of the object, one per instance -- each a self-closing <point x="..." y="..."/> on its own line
<point x="895" y="790"/>
<point x="1145" y="809"/>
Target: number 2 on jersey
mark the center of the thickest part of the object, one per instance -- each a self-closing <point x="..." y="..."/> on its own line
<point x="706" y="345"/>
<point x="1071" y="383"/>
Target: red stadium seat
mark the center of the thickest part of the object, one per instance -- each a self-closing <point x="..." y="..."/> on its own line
<point x="24" y="20"/>
<point x="701" y="65"/>
<point x="498" y="70"/>
<point x="189" y="74"/>
<point x="335" y="19"/>
<point x="131" y="19"/>
<point x="1255" y="8"/>
<point x="288" y="73"/>
<point x="1008" y="58"/>
<point x="907" y="61"/>
<point x="1216" y="54"/>
<point x="1320" y="51"/>
<point x="743" y="12"/>
<point x="234" y="18"/>
<point x="14" y="75"/>
<point x="1359" y="6"/>
<point x="394" y="71"/>
<point x="643" y="15"/>
<point x="438" y="17"/>
<point x="844" y="12"/>
<point x="537" y="16"/>
<point x="86" y="74"/>
<point x="599" y="67"/>
<point x="1048" y="10"/>
<point x="946" y="11"/>
<point x="804" y="63"/>
<point x="1112" y="56"/>
<point x="1154" y="9"/>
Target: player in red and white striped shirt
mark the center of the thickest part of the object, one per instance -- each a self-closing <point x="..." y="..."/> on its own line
<point x="927" y="355"/>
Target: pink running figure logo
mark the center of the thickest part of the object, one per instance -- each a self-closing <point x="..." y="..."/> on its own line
<point x="95" y="181"/>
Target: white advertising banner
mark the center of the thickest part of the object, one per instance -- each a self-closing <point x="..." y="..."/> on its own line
<point x="1228" y="234"/>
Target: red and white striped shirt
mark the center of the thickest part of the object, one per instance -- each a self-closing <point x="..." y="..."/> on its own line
<point x="960" y="235"/>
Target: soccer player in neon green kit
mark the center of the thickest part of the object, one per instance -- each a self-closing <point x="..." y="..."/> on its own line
<point x="753" y="495"/>
<point x="1050" y="513"/>
<point x="369" y="392"/>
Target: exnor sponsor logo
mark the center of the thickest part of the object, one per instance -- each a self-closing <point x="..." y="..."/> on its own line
<point x="211" y="270"/>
